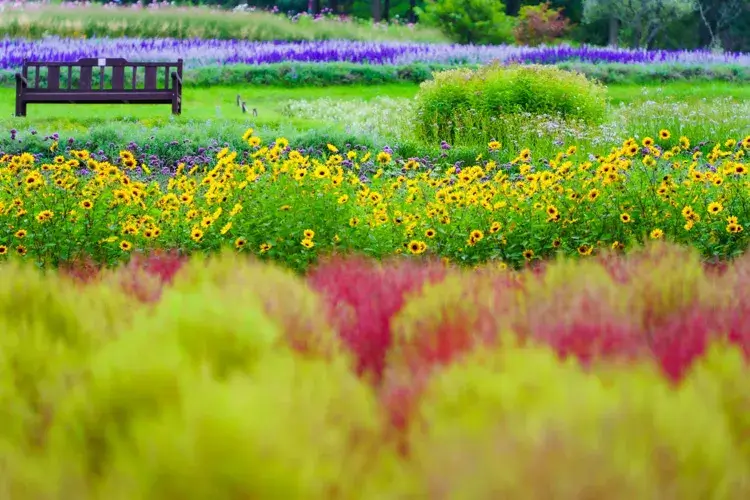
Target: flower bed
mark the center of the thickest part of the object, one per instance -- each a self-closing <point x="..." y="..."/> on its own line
<point x="293" y="205"/>
<point x="167" y="377"/>
<point x="338" y="62"/>
<point x="226" y="52"/>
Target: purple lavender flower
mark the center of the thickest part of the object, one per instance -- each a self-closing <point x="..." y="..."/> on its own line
<point x="197" y="53"/>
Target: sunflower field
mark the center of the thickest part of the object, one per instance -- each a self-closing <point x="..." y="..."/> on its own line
<point x="274" y="201"/>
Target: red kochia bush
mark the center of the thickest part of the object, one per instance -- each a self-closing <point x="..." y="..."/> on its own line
<point x="587" y="328"/>
<point x="363" y="295"/>
<point x="435" y="328"/>
<point x="659" y="302"/>
<point x="82" y="269"/>
<point x="143" y="277"/>
<point x="164" y="265"/>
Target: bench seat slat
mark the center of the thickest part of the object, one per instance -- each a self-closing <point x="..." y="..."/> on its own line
<point x="150" y="81"/>
<point x="99" y="97"/>
<point x="118" y="78"/>
<point x="84" y="82"/>
<point x="53" y="78"/>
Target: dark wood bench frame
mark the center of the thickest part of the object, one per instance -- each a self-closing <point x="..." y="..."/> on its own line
<point x="28" y="90"/>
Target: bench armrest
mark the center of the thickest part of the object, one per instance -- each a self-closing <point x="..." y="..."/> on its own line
<point x="20" y="79"/>
<point x="176" y="77"/>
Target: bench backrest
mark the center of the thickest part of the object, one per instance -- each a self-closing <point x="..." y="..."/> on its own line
<point x="100" y="74"/>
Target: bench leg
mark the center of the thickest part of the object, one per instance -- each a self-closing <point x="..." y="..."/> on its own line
<point x="20" y="107"/>
<point x="176" y="105"/>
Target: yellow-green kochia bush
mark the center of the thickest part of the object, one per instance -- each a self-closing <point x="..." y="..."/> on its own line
<point x="205" y="331"/>
<point x="471" y="106"/>
<point x="48" y="331"/>
<point x="519" y="423"/>
<point x="204" y="397"/>
<point x="298" y="428"/>
<point x="722" y="374"/>
<point x="206" y="392"/>
<point x="286" y="300"/>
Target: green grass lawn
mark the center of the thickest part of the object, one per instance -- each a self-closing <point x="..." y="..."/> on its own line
<point x="682" y="91"/>
<point x="219" y="104"/>
<point x="200" y="104"/>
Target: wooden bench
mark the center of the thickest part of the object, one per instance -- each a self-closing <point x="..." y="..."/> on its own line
<point x="128" y="83"/>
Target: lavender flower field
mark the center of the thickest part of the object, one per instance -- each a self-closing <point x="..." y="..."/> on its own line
<point x="197" y="53"/>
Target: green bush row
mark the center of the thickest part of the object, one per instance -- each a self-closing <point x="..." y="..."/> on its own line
<point x="189" y="23"/>
<point x="329" y="74"/>
<point x="659" y="73"/>
<point x="285" y="75"/>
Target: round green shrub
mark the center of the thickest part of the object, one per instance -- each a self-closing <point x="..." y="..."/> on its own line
<point x="464" y="105"/>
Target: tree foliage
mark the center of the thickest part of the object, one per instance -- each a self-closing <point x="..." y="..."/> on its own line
<point x="669" y="24"/>
<point x="644" y="20"/>
<point x="718" y="16"/>
<point x="540" y="24"/>
<point x="470" y="21"/>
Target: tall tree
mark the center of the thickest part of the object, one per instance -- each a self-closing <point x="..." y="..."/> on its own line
<point x="376" y="11"/>
<point x="644" y="19"/>
<point x="718" y="15"/>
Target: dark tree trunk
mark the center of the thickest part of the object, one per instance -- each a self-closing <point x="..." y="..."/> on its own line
<point x="387" y="10"/>
<point x="614" y="31"/>
<point x="334" y="5"/>
<point x="376" y="11"/>
<point x="412" y="14"/>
